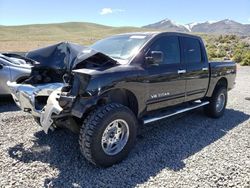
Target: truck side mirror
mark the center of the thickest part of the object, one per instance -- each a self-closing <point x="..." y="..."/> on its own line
<point x="156" y="57"/>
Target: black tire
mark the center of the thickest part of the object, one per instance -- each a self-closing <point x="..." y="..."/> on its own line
<point x="211" y="110"/>
<point x="91" y="133"/>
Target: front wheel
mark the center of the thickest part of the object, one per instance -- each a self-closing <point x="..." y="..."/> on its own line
<point x="217" y="104"/>
<point x="108" y="134"/>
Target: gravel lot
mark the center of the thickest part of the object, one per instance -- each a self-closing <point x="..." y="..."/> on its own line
<point x="190" y="150"/>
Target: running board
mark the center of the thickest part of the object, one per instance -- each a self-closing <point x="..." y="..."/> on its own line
<point x="147" y="120"/>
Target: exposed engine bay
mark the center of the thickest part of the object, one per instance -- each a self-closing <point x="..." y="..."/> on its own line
<point x="55" y="62"/>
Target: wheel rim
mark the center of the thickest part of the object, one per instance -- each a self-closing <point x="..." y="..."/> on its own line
<point x="115" y="137"/>
<point x="220" y="102"/>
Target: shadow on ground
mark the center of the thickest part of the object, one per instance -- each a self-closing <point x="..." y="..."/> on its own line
<point x="7" y="104"/>
<point x="163" y="145"/>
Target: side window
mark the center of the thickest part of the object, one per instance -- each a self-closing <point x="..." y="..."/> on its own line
<point x="169" y="45"/>
<point x="192" y="50"/>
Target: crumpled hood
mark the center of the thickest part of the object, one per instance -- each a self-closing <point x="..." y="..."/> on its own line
<point x="56" y="60"/>
<point x="65" y="55"/>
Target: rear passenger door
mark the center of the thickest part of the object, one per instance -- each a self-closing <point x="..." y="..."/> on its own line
<point x="197" y="72"/>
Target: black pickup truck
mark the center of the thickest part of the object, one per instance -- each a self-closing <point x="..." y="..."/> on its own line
<point x="105" y="91"/>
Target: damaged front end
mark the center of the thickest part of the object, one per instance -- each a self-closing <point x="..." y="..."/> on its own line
<point x="49" y="92"/>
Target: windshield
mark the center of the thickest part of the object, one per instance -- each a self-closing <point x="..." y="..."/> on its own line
<point x="121" y="47"/>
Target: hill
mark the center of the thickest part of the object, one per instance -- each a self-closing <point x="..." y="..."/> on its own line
<point x="26" y="37"/>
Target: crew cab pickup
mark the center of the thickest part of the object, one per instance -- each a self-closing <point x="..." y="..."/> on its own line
<point x="105" y="91"/>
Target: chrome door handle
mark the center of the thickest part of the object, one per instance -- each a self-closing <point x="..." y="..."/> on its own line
<point x="181" y="71"/>
<point x="205" y="69"/>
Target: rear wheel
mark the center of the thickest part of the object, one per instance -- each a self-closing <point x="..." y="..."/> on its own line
<point x="218" y="103"/>
<point x="108" y="134"/>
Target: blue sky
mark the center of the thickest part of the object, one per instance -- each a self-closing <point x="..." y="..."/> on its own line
<point x="121" y="12"/>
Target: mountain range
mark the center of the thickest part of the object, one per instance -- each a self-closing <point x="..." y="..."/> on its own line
<point x="226" y="26"/>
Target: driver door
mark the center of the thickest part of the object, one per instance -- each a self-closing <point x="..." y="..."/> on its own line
<point x="166" y="80"/>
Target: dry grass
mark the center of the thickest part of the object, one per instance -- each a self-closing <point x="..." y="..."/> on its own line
<point x="24" y="38"/>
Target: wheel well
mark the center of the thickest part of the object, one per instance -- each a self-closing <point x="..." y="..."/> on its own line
<point x="121" y="96"/>
<point x="221" y="82"/>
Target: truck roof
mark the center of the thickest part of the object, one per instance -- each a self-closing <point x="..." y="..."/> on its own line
<point x="155" y="33"/>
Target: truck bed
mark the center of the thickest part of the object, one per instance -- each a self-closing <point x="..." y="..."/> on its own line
<point x="218" y="70"/>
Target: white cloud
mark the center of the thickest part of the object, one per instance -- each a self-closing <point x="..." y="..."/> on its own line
<point x="105" y="11"/>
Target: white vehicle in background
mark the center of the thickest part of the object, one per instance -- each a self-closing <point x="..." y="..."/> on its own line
<point x="13" y="68"/>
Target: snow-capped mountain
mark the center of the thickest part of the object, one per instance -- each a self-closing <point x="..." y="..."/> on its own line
<point x="190" y="26"/>
<point x="167" y="25"/>
<point x="226" y="26"/>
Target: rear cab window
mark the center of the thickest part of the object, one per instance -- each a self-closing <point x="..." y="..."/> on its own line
<point x="191" y="50"/>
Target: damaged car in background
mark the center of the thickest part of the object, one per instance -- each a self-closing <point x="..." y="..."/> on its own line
<point x="15" y="68"/>
<point x="105" y="91"/>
